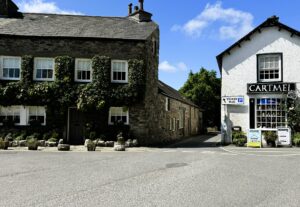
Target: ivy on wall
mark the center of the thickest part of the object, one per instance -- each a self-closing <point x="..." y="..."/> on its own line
<point x="63" y="92"/>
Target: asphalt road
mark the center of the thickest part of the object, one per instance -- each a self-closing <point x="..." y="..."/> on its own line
<point x="182" y="175"/>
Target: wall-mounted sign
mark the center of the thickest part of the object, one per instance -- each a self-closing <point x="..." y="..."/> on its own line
<point x="233" y="100"/>
<point x="254" y="138"/>
<point x="284" y="137"/>
<point x="270" y="88"/>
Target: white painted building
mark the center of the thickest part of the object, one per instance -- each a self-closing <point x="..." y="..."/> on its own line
<point x="262" y="68"/>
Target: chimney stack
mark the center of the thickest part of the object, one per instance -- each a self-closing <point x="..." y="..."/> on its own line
<point x="129" y="9"/>
<point x="141" y="5"/>
<point x="139" y="14"/>
<point x="9" y="9"/>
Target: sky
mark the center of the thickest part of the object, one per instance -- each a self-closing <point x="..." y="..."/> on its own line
<point x="192" y="32"/>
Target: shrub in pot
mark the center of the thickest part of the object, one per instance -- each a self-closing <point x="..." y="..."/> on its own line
<point x="271" y="137"/>
<point x="91" y="146"/>
<point x="239" y="138"/>
<point x="296" y="139"/>
<point x="4" y="143"/>
<point x="120" y="145"/>
<point x="32" y="144"/>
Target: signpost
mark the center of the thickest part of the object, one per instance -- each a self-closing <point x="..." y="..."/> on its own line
<point x="284" y="137"/>
<point x="233" y="100"/>
<point x="254" y="138"/>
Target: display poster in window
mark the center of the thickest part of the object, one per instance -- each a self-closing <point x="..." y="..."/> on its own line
<point x="284" y="137"/>
<point x="254" y="138"/>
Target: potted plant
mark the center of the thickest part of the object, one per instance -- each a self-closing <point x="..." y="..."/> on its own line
<point x="91" y="146"/>
<point x="32" y="143"/>
<point x="120" y="145"/>
<point x="239" y="138"/>
<point x="296" y="139"/>
<point x="271" y="137"/>
<point x="4" y="143"/>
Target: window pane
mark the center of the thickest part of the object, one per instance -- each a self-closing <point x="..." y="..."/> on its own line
<point x="5" y="73"/>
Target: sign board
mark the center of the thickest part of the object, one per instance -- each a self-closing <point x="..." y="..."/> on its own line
<point x="270" y="88"/>
<point x="254" y="138"/>
<point x="284" y="137"/>
<point x="233" y="100"/>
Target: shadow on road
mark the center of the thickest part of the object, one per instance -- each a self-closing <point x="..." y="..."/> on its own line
<point x="202" y="141"/>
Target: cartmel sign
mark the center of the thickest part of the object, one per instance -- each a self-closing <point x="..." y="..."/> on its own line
<point x="270" y="88"/>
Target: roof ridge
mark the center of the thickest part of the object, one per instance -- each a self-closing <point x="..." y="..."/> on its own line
<point x="75" y="15"/>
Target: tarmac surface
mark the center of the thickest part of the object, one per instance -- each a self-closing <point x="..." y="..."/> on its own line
<point x="195" y="172"/>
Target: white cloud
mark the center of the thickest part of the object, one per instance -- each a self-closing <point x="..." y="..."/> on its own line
<point x="42" y="6"/>
<point x="236" y="23"/>
<point x="172" y="68"/>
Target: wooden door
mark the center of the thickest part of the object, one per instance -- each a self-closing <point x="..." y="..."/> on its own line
<point x="76" y="127"/>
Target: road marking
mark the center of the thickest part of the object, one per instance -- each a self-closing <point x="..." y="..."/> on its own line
<point x="250" y="153"/>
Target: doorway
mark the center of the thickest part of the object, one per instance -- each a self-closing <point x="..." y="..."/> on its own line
<point x="76" y="127"/>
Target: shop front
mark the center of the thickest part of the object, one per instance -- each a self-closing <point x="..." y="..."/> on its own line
<point x="261" y="70"/>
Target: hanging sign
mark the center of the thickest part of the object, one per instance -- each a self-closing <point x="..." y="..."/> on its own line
<point x="271" y="88"/>
<point x="254" y="138"/>
<point x="233" y="100"/>
<point x="284" y="137"/>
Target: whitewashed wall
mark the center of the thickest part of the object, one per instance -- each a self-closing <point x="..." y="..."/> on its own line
<point x="240" y="67"/>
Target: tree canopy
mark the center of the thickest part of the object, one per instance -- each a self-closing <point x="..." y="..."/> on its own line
<point x="204" y="89"/>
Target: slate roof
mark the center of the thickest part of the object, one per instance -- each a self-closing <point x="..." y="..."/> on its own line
<point x="172" y="93"/>
<point x="270" y="22"/>
<point x="76" y="26"/>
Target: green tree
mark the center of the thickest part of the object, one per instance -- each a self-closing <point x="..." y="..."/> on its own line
<point x="204" y="89"/>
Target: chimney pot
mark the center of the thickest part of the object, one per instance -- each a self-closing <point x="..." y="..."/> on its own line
<point x="129" y="9"/>
<point x="136" y="8"/>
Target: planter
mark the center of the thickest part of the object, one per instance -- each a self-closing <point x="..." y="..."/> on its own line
<point x="91" y="148"/>
<point x="4" y="145"/>
<point x="63" y="147"/>
<point x="119" y="147"/>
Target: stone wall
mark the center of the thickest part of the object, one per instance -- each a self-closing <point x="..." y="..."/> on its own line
<point x="163" y="119"/>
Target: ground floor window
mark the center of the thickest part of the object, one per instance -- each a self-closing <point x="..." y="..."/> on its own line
<point x="10" y="114"/>
<point x="22" y="115"/>
<point x="271" y="113"/>
<point x="118" y="114"/>
<point x="37" y="113"/>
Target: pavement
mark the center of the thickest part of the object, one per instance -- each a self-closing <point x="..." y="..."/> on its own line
<point x="194" y="172"/>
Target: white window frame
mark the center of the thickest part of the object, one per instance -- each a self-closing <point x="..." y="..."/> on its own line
<point x="28" y="114"/>
<point x="174" y="124"/>
<point x="181" y="118"/>
<point x="126" y="70"/>
<point x="35" y="69"/>
<point x="268" y="113"/>
<point x="167" y="104"/>
<point x="279" y="55"/>
<point x="2" y="67"/>
<point x="13" y="108"/>
<point x="76" y="70"/>
<point x="126" y="113"/>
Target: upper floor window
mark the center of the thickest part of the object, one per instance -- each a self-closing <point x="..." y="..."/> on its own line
<point x="119" y="71"/>
<point x="270" y="67"/>
<point x="167" y="104"/>
<point x="44" y="69"/>
<point x="118" y="114"/>
<point x="83" y="70"/>
<point x="11" y="67"/>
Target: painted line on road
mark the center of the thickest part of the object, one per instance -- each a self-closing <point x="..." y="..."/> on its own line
<point x="250" y="153"/>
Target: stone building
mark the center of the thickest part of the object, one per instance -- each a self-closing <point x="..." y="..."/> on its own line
<point x="81" y="74"/>
<point x="259" y="71"/>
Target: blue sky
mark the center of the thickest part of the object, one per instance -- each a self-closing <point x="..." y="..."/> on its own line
<point x="193" y="32"/>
